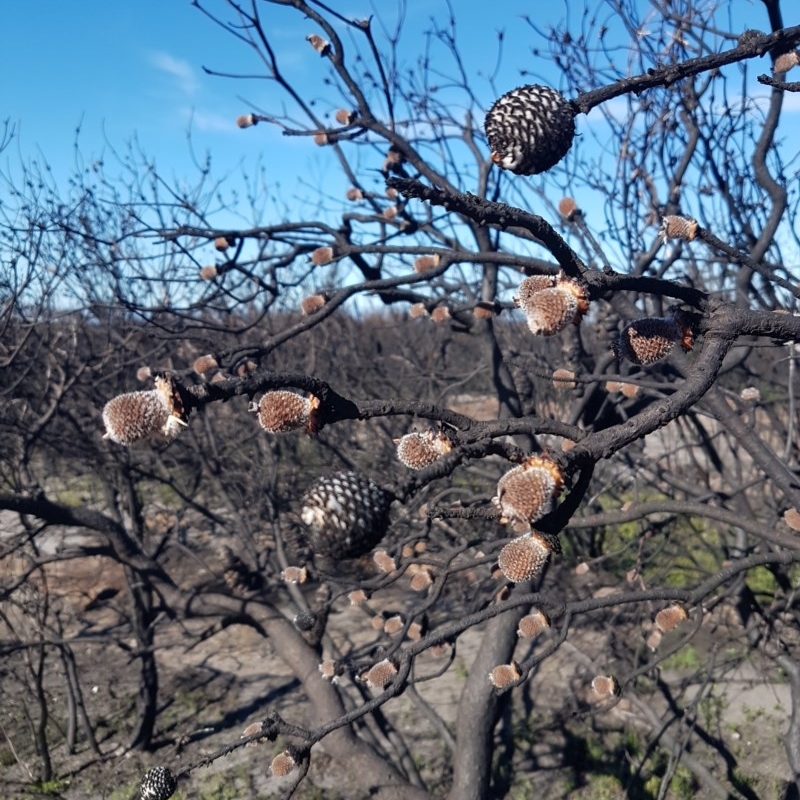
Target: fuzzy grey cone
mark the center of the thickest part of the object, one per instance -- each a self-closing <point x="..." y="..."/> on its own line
<point x="530" y="129"/>
<point x="158" y="784"/>
<point x="346" y="513"/>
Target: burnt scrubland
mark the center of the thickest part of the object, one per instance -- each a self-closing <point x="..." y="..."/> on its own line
<point x="474" y="477"/>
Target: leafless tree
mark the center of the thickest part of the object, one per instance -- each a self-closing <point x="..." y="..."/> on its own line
<point x="653" y="441"/>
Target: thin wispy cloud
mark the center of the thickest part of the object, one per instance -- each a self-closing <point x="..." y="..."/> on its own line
<point x="177" y="68"/>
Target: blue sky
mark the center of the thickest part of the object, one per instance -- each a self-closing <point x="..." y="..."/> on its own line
<point x="125" y="68"/>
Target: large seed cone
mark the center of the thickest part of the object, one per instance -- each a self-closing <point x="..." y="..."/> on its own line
<point x="525" y="493"/>
<point x="531" y="285"/>
<point x="550" y="311"/>
<point x="645" y="341"/>
<point x="530" y="129"/>
<point x="524" y="557"/>
<point x="136" y="416"/>
<point x="157" y="784"/>
<point x="347" y="514"/>
<point x="419" y="450"/>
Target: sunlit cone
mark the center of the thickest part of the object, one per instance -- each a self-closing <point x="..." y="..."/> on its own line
<point x="392" y="193"/>
<point x="157" y="784"/>
<point x="246" y="121"/>
<point x="533" y="624"/>
<point x="440" y="314"/>
<point x="354" y="194"/>
<point x="347" y="514"/>
<point x="282" y="411"/>
<point x="378" y="676"/>
<point x="605" y="686"/>
<point x="568" y="208"/>
<point x="419" y="450"/>
<point x="322" y="256"/>
<point x="524" y="557"/>
<point x="251" y="730"/>
<point x="531" y="285"/>
<point x="549" y="311"/>
<point x="504" y="674"/>
<point x="389" y="213"/>
<point x="426" y="263"/>
<point x="526" y="492"/>
<point x="140" y="416"/>
<point x="384" y="562"/>
<point x="417" y="310"/>
<point x="311" y="304"/>
<point x="222" y="243"/>
<point x="209" y="273"/>
<point x="674" y="227"/>
<point x="646" y="341"/>
<point x="321" y="138"/>
<point x="282" y="764"/>
<point x="344" y="117"/>
<point x="322" y="46"/>
<point x="669" y="618"/>
<point x="530" y="129"/>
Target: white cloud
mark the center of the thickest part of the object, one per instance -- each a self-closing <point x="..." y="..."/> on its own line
<point x="179" y="69"/>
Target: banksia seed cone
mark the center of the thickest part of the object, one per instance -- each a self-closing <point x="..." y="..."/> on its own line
<point x="246" y="121"/>
<point x="568" y="208"/>
<point x="785" y="61"/>
<point x="525" y="493"/>
<point x="605" y="686"/>
<point x="282" y="764"/>
<point x="792" y="518"/>
<point x="530" y="129"/>
<point x="322" y="46"/>
<point x="281" y="412"/>
<point x="294" y="575"/>
<point x="322" y="256"/>
<point x="669" y="618"/>
<point x="157" y="784"/>
<point x="531" y="285"/>
<point x="354" y="193"/>
<point x="384" y="562"/>
<point x="138" y="416"/>
<point x="205" y="364"/>
<point x="440" y="314"/>
<point x="646" y="341"/>
<point x="504" y="674"/>
<point x="550" y="310"/>
<point x="222" y="243"/>
<point x="311" y="304"/>
<point x="674" y="227"/>
<point x="426" y="263"/>
<point x="321" y="138"/>
<point x="347" y="514"/>
<point x="533" y="624"/>
<point x="344" y="117"/>
<point x="419" y="450"/>
<point x="209" y="273"/>
<point x="417" y="310"/>
<point x="524" y="557"/>
<point x="381" y="674"/>
<point x="393" y="625"/>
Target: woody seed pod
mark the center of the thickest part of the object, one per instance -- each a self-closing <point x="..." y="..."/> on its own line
<point x="246" y="121"/>
<point x="568" y="208"/>
<point x="322" y="256"/>
<point x="378" y="676"/>
<point x="354" y="193"/>
<point x="294" y="575"/>
<point x="311" y="304"/>
<point x="530" y="129"/>
<point x="504" y="674"/>
<point x="344" y="117"/>
<point x="785" y="61"/>
<point x="524" y="557"/>
<point x="426" y="263"/>
<point x="549" y="311"/>
<point x="669" y="618"/>
<point x="157" y="784"/>
<point x="384" y="562"/>
<point x="417" y="310"/>
<point x="530" y="286"/>
<point x="526" y="492"/>
<point x="321" y="138"/>
<point x="419" y="450"/>
<point x="282" y="764"/>
<point x="533" y="624"/>
<point x="440" y="314"/>
<point x="393" y="625"/>
<point x="646" y="341"/>
<point x="222" y="243"/>
<point x="322" y="46"/>
<point x="605" y="686"/>
<point x="209" y="273"/>
<point x="674" y="227"/>
<point x="347" y="514"/>
<point x="282" y="411"/>
<point x="205" y="364"/>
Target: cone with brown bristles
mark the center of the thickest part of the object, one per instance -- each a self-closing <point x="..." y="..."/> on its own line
<point x="419" y="450"/>
<point x="524" y="558"/>
<point x="526" y="492"/>
<point x="651" y="339"/>
<point x="283" y="411"/>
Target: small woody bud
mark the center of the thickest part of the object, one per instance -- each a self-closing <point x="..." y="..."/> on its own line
<point x="605" y="687"/>
<point x="344" y="117"/>
<point x="311" y="304"/>
<point x="669" y="618"/>
<point x="384" y="561"/>
<point x="354" y="194"/>
<point x="504" y="674"/>
<point x="246" y="121"/>
<point x="322" y="46"/>
<point x="426" y="263"/>
<point x="533" y="624"/>
<point x="378" y="676"/>
<point x="440" y="314"/>
<point x="294" y="575"/>
<point x="222" y="243"/>
<point x="321" y="138"/>
<point x="322" y="256"/>
<point x="568" y="208"/>
<point x="209" y="273"/>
